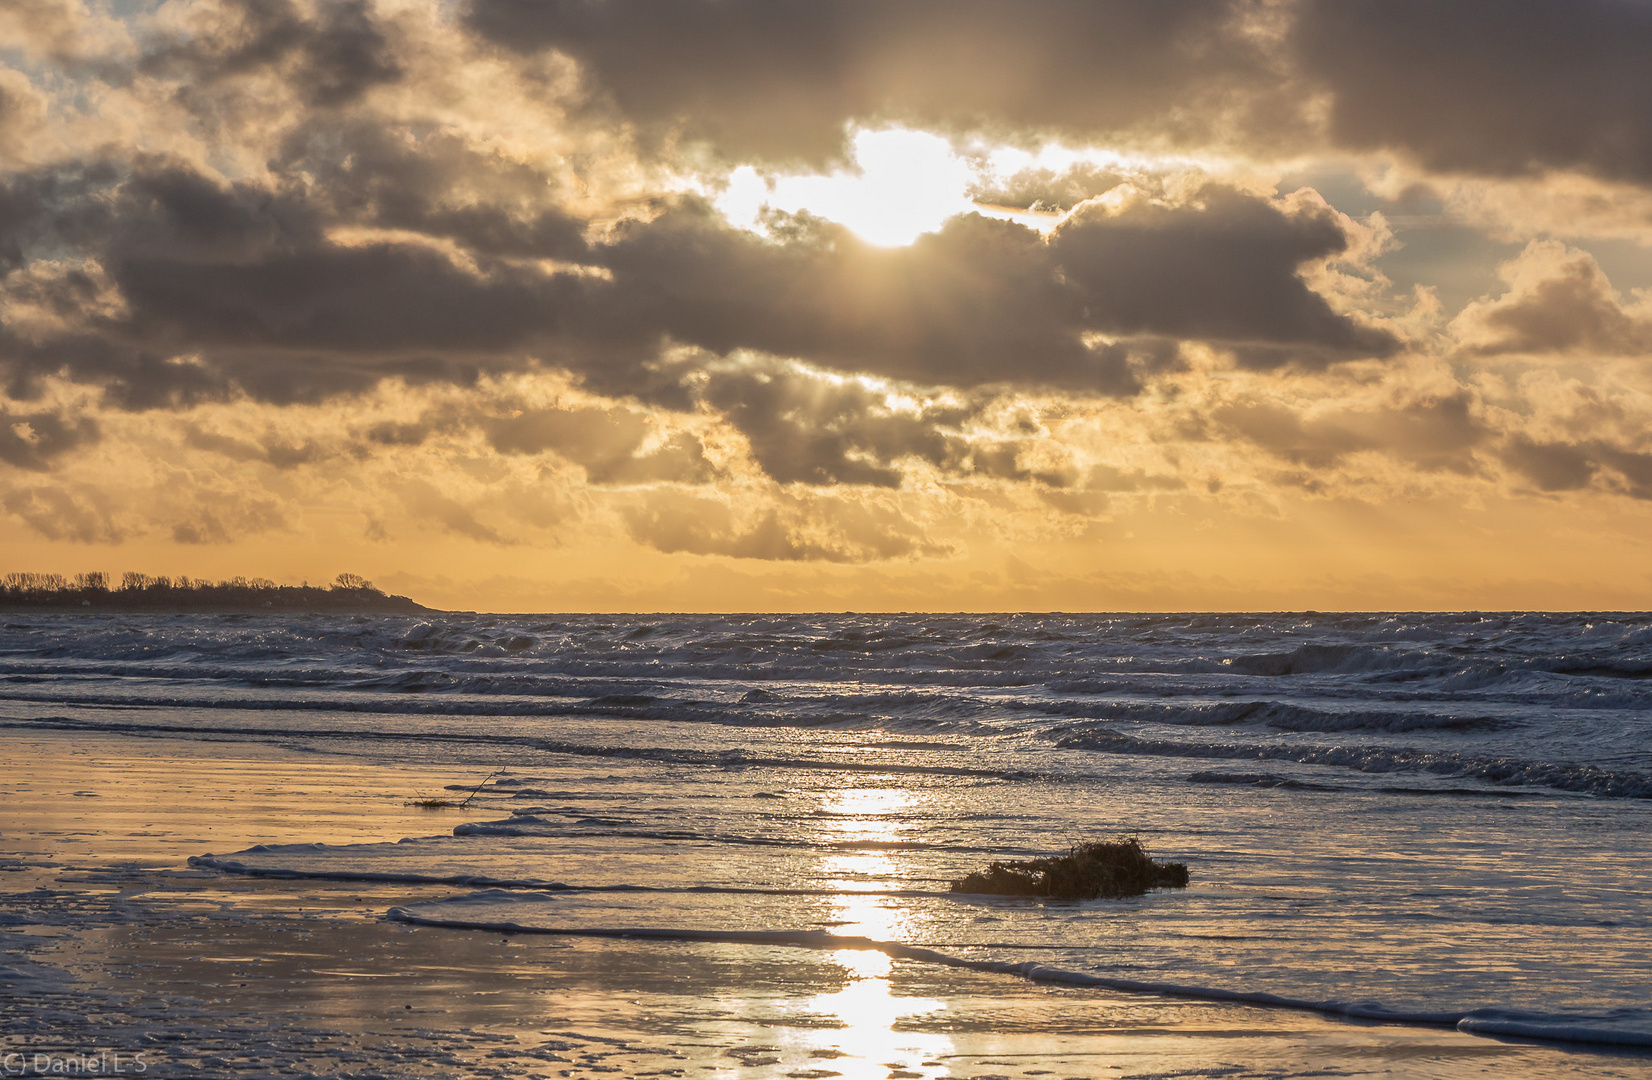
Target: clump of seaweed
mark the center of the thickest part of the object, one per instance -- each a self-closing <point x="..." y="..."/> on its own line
<point x="1101" y="869"/>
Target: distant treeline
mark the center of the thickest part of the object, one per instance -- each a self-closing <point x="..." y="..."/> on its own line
<point x="153" y="592"/>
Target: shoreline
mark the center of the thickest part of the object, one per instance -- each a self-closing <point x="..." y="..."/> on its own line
<point x="122" y="947"/>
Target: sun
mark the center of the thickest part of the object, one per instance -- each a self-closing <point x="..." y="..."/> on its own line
<point x="901" y="184"/>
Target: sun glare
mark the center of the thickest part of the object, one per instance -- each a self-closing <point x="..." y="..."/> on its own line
<point x="901" y="185"/>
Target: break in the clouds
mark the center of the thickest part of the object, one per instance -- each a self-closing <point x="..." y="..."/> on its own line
<point x="835" y="282"/>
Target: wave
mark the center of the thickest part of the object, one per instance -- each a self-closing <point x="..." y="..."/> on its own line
<point x="1263" y="780"/>
<point x="422" y="692"/>
<point x="528" y="824"/>
<point x="1584" y="779"/>
<point x="245" y="864"/>
<point x="233" y="864"/>
<point x="1618" y="1028"/>
<point x="733" y="758"/>
<point x="1281" y="715"/>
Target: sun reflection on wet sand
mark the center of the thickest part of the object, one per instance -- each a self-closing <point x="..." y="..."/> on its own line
<point x="867" y="1006"/>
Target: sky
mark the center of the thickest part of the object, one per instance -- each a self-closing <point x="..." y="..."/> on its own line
<point x="875" y="305"/>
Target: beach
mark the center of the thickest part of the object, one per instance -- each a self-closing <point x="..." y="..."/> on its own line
<point x="209" y="873"/>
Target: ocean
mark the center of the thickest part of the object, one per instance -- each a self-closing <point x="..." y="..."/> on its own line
<point x="1429" y="819"/>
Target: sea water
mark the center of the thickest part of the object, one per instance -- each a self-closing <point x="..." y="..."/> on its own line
<point x="1437" y="818"/>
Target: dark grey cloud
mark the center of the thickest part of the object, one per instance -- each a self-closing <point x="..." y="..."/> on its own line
<point x="985" y="301"/>
<point x="131" y="377"/>
<point x="1434" y="433"/>
<point x="376" y="300"/>
<point x="18" y="208"/>
<point x="245" y="287"/>
<point x="803" y="428"/>
<point x="1486" y="86"/>
<point x="435" y="183"/>
<point x="1634" y="467"/>
<point x="32" y="440"/>
<point x="1568" y="306"/>
<point x="977" y="302"/>
<point x="41" y="209"/>
<point x="607" y="443"/>
<point x="244" y="282"/>
<point x="274" y="450"/>
<point x="1551" y="466"/>
<point x="329" y="59"/>
<point x="1223" y="269"/>
<point x="814" y="431"/>
<point x="1557" y="466"/>
<point x="168" y="209"/>
<point x="239" y="287"/>
<point x="780" y="78"/>
<point x="203" y="264"/>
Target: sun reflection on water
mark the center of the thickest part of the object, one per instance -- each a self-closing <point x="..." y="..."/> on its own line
<point x="867" y="1006"/>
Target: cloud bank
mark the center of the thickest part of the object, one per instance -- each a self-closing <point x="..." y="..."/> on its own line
<point x="467" y="270"/>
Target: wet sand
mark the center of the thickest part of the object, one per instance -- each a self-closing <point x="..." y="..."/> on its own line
<point x="118" y="952"/>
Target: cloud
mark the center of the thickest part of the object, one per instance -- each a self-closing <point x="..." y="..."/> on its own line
<point x="336" y="247"/>
<point x="330" y="57"/>
<point x="1431" y="432"/>
<point x="1502" y="87"/>
<point x="1112" y="478"/>
<point x="425" y="503"/>
<point x="59" y="514"/>
<point x="976" y="302"/>
<point x="218" y="517"/>
<point x="1223" y="267"/>
<point x="238" y="286"/>
<point x="779" y="79"/>
<point x="33" y="440"/>
<point x="985" y="301"/>
<point x="1559" y="301"/>
<point x="437" y="184"/>
<point x="813" y="430"/>
<point x="455" y="271"/>
<point x="1553" y="466"/>
<point x="608" y="443"/>
<point x="273" y="450"/>
<point x="18" y="208"/>
<point x="807" y="427"/>
<point x="21" y="112"/>
<point x="1049" y="190"/>
<point x="815" y="529"/>
<point x="1493" y="87"/>
<point x="61" y="29"/>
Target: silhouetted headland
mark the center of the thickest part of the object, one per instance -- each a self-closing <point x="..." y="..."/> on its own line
<point x="348" y="594"/>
